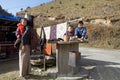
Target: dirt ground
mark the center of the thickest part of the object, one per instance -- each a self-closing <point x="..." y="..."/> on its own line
<point x="9" y="70"/>
<point x="103" y="64"/>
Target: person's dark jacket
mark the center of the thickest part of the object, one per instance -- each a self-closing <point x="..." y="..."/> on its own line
<point x="26" y="37"/>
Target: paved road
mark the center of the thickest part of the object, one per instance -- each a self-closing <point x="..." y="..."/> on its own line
<point x="102" y="64"/>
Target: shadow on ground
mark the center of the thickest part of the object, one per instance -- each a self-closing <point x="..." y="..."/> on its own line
<point x="8" y="66"/>
<point x="38" y="77"/>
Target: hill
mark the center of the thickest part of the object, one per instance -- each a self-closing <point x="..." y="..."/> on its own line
<point x="65" y="10"/>
<point x="3" y="12"/>
<point x="72" y="9"/>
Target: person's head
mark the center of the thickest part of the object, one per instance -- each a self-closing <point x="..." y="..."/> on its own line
<point x="70" y="28"/>
<point x="80" y="24"/>
<point x="23" y="21"/>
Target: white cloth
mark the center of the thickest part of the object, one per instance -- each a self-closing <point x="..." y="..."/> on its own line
<point x="47" y="32"/>
<point x="61" y="29"/>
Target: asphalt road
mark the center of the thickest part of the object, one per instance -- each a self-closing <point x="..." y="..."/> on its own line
<point x="102" y="64"/>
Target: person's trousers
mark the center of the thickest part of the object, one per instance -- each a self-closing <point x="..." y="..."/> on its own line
<point x="24" y="61"/>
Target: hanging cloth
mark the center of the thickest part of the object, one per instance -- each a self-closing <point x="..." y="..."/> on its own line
<point x="42" y="40"/>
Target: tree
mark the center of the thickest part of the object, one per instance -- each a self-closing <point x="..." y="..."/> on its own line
<point x="28" y="7"/>
<point x="0" y="7"/>
<point x="21" y="9"/>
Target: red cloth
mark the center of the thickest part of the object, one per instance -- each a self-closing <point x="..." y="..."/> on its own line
<point x="21" y="28"/>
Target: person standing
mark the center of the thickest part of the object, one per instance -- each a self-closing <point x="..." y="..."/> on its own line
<point x="24" y="51"/>
<point x="80" y="31"/>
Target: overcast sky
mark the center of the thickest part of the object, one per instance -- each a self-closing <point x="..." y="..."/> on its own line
<point x="13" y="6"/>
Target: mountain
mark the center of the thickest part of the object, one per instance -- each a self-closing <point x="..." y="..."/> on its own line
<point x="72" y="9"/>
<point x="59" y="11"/>
<point x="3" y="12"/>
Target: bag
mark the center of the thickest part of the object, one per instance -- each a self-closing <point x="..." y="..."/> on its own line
<point x="17" y="43"/>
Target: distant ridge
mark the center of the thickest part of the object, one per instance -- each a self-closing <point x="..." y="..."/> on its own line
<point x="3" y="12"/>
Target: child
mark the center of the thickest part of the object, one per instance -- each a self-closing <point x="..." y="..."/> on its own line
<point x="80" y="31"/>
<point x="69" y="33"/>
<point x="20" y="31"/>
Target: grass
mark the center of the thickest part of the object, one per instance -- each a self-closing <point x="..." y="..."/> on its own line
<point x="90" y="9"/>
<point x="104" y="37"/>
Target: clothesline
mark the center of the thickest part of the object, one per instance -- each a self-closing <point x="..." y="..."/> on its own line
<point x="75" y="20"/>
<point x="58" y="30"/>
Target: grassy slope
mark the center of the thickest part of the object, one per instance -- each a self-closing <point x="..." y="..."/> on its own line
<point x="90" y="9"/>
<point x="72" y="9"/>
<point x="79" y="8"/>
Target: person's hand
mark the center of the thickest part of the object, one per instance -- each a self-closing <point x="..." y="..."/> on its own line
<point x="23" y="48"/>
<point x="15" y="46"/>
<point x="75" y="36"/>
<point x="80" y="39"/>
<point x="18" y="36"/>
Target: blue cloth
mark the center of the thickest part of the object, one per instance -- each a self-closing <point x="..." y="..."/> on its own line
<point x="80" y="32"/>
<point x="11" y="18"/>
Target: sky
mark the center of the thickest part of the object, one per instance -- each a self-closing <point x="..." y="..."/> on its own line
<point x="13" y="6"/>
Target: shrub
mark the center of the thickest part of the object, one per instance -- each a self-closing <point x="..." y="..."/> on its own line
<point x="60" y="2"/>
<point x="76" y="4"/>
<point x="102" y="36"/>
<point x="82" y="7"/>
<point x="51" y="7"/>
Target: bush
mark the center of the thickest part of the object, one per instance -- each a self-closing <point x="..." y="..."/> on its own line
<point x="51" y="7"/>
<point x="76" y="4"/>
<point x="82" y="7"/>
<point x="60" y="2"/>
